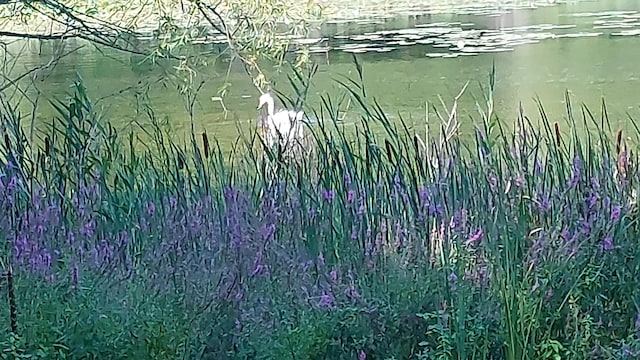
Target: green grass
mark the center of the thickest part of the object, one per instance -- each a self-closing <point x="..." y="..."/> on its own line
<point x="518" y="244"/>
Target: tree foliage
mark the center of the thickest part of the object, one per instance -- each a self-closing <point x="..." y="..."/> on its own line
<point x="251" y="30"/>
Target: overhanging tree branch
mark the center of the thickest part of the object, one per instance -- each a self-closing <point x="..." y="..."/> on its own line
<point x="36" y="36"/>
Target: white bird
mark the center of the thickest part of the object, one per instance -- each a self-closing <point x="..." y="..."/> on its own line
<point x="285" y="124"/>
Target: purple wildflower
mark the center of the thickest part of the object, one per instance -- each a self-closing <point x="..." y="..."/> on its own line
<point x="576" y="173"/>
<point x="607" y="243"/>
<point x="538" y="168"/>
<point x="267" y="232"/>
<point x="74" y="275"/>
<point x="13" y="183"/>
<point x="475" y="237"/>
<point x="585" y="226"/>
<point x="151" y="208"/>
<point x="46" y="259"/>
<point x="453" y="278"/>
<point x="493" y="180"/>
<point x="259" y="268"/>
<point x="328" y="195"/>
<point x="350" y="196"/>
<point x="326" y="300"/>
<point x="347" y="179"/>
<point x="333" y="275"/>
<point x="519" y="181"/>
<point x="544" y="204"/>
<point x="321" y="261"/>
<point x="615" y="213"/>
<point x="362" y="355"/>
<point x="423" y="195"/>
<point x="592" y="199"/>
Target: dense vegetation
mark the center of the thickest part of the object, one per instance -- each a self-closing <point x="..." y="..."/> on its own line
<point x="518" y="244"/>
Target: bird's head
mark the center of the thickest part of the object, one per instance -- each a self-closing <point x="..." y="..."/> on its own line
<point x="264" y="99"/>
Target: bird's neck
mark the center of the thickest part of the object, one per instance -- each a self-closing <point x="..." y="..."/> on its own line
<point x="270" y="107"/>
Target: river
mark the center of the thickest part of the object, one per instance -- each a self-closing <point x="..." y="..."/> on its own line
<point x="409" y="58"/>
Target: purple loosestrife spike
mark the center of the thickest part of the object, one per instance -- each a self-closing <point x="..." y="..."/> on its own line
<point x="354" y="233"/>
<point x="74" y="275"/>
<point x="519" y="181"/>
<point x="173" y="202"/>
<point x="423" y="195"/>
<point x="362" y="355"/>
<point x="88" y="229"/>
<point x="493" y="180"/>
<point x="397" y="182"/>
<point x="13" y="183"/>
<point x="593" y="200"/>
<point x="475" y="237"/>
<point x="585" y="227"/>
<point x="453" y="278"/>
<point x="151" y="208"/>
<point x="326" y="300"/>
<point x="350" y="196"/>
<point x="333" y="275"/>
<point x="328" y="195"/>
<point x="607" y="243"/>
<point x="267" y="232"/>
<point x="347" y="179"/>
<point x="258" y="270"/>
<point x="537" y="168"/>
<point x="577" y="169"/>
<point x="615" y="213"/>
<point x="46" y="259"/>
<point x="544" y="204"/>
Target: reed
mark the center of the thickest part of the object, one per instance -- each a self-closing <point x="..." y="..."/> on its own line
<point x="382" y="243"/>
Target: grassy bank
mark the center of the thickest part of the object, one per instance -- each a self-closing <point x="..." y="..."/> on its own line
<point x="519" y="244"/>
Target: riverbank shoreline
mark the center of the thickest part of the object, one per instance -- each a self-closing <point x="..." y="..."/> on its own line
<point x="146" y="20"/>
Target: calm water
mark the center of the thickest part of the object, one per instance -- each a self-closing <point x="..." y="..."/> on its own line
<point x="587" y="47"/>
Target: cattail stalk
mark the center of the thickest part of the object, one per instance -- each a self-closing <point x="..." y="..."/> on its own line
<point x="13" y="310"/>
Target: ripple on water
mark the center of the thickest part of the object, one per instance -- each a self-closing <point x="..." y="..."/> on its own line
<point x="635" y="32"/>
<point x="467" y="38"/>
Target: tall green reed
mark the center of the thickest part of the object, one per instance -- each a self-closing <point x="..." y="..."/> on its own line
<point x="506" y="246"/>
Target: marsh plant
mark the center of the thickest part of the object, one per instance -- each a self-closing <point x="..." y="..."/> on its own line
<point x="520" y="243"/>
